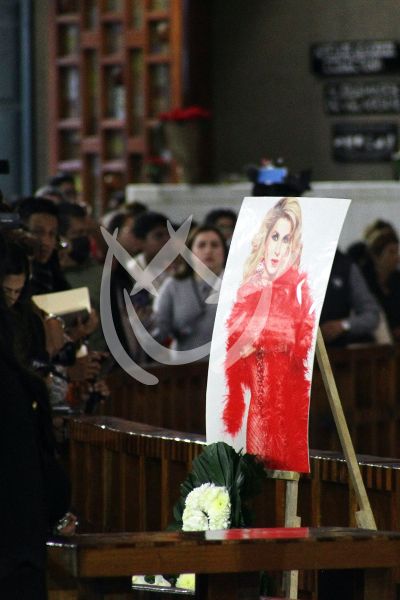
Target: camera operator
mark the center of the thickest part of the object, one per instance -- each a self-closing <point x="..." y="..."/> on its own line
<point x="41" y="343"/>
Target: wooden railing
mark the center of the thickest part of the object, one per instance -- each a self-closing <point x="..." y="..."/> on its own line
<point x="366" y="377"/>
<point x="126" y="477"/>
<point x="105" y="563"/>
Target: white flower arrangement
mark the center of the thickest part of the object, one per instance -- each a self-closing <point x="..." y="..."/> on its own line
<point x="207" y="507"/>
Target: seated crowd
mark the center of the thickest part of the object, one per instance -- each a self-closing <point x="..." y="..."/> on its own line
<point x="58" y="246"/>
<point x="50" y="364"/>
<point x="55" y="244"/>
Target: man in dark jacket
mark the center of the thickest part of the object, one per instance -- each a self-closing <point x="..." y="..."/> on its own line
<point x="350" y="313"/>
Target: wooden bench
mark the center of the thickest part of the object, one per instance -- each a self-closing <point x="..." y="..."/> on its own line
<point x="105" y="563"/>
<point x="126" y="476"/>
<point x="366" y="377"/>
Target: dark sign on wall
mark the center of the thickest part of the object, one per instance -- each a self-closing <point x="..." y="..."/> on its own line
<point x="364" y="142"/>
<point x="375" y="97"/>
<point x="364" y="57"/>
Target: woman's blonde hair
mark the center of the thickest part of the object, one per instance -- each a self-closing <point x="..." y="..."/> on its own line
<point x="286" y="208"/>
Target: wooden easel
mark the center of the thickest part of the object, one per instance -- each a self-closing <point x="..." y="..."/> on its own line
<point x="364" y="516"/>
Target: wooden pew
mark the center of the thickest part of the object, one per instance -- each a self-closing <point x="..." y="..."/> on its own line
<point x="126" y="476"/>
<point x="366" y="376"/>
<point x="105" y="563"/>
<point x="176" y="402"/>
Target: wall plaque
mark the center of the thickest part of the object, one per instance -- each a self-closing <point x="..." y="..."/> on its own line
<point x="364" y="142"/>
<point x="375" y="97"/>
<point x="363" y="57"/>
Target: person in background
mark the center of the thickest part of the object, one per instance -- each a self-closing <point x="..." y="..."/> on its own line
<point x="79" y="268"/>
<point x="117" y="205"/>
<point x="150" y="232"/>
<point x="29" y="335"/>
<point x="41" y="219"/>
<point x="350" y="313"/>
<point x="34" y="490"/>
<point x="383" y="276"/>
<point x="358" y="251"/>
<point x="50" y="192"/>
<point x="124" y="221"/>
<point x="65" y="183"/>
<point x="223" y="219"/>
<point x="181" y="312"/>
<point x="151" y="229"/>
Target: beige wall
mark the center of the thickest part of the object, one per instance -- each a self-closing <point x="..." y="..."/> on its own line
<point x="267" y="101"/>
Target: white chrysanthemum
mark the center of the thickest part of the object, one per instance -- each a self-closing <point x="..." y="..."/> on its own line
<point x="218" y="522"/>
<point x="219" y="502"/>
<point x="207" y="507"/>
<point x="194" y="520"/>
<point x="187" y="581"/>
<point x="219" y="510"/>
<point x="195" y="498"/>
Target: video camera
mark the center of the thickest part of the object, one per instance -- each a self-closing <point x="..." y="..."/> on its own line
<point x="8" y="219"/>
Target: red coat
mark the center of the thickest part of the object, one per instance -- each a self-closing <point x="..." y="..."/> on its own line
<point x="275" y="372"/>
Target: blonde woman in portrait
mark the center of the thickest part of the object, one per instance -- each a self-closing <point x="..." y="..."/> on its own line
<point x="270" y="332"/>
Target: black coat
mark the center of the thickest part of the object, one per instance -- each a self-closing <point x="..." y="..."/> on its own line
<point x="34" y="492"/>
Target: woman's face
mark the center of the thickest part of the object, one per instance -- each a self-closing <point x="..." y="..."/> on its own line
<point x="12" y="288"/>
<point x="388" y="260"/>
<point x="208" y="247"/>
<point x="277" y="247"/>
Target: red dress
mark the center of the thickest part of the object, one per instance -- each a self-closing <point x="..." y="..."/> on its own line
<point x="276" y="372"/>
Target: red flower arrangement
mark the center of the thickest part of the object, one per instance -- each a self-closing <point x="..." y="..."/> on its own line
<point x="191" y="113"/>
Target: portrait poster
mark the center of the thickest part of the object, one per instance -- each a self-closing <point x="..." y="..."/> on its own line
<point x="263" y="345"/>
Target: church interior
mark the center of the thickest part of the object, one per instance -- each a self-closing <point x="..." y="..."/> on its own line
<point x="200" y="299"/>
